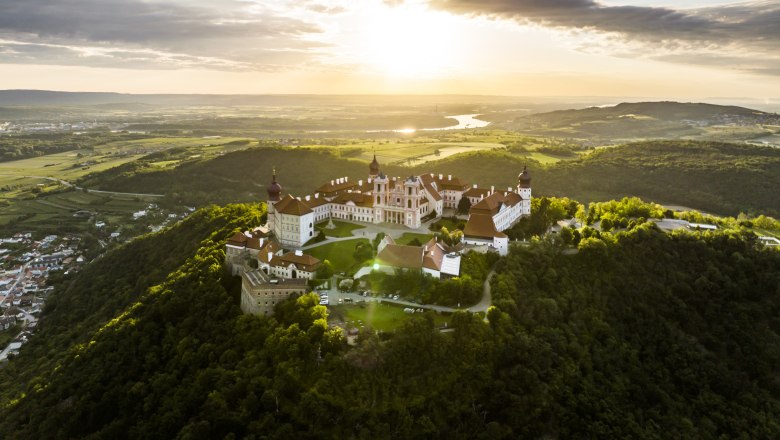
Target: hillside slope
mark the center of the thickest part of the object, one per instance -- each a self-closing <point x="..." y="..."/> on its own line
<point x="645" y="336"/>
<point x="717" y="177"/>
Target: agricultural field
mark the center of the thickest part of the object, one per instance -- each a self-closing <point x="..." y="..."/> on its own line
<point x="40" y="193"/>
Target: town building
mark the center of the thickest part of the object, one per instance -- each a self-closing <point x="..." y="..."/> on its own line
<point x="260" y="293"/>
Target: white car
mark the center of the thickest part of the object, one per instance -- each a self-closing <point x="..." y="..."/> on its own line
<point x="395" y="297"/>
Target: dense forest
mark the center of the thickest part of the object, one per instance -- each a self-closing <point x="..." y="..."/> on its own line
<point x="716" y="177"/>
<point x="637" y="335"/>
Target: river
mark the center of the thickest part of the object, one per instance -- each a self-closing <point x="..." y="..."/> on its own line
<point x="463" y="121"/>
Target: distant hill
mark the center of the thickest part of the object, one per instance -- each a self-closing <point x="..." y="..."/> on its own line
<point x="49" y="98"/>
<point x="664" y="111"/>
<point x="717" y="177"/>
<point x="646" y="120"/>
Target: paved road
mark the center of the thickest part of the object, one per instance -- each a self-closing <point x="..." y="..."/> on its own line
<point x="16" y="283"/>
<point x="487" y="299"/>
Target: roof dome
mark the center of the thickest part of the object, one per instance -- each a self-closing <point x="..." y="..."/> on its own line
<point x="274" y="190"/>
<point x="524" y="178"/>
<point x="373" y="167"/>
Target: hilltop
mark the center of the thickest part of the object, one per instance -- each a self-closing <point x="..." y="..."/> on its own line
<point x="589" y="343"/>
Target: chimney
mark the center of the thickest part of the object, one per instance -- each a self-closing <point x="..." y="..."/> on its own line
<point x="474" y="186"/>
<point x="270" y="255"/>
<point x="449" y="176"/>
<point x="360" y="182"/>
<point x="316" y="195"/>
<point x="441" y="176"/>
<point x="346" y="179"/>
<point x="298" y="253"/>
<point x="492" y="189"/>
<point x="308" y="198"/>
<point x="370" y="180"/>
<point x="332" y="183"/>
<point x="509" y="188"/>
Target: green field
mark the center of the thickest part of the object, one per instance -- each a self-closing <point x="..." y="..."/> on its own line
<point x="342" y="229"/>
<point x="339" y="253"/>
<point x="378" y="316"/>
<point x="407" y="237"/>
<point x="21" y="175"/>
<point x="55" y="212"/>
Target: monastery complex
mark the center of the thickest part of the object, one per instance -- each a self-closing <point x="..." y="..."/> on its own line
<point x="406" y="201"/>
<point x="273" y="267"/>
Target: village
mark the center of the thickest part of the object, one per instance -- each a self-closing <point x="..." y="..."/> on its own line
<point x="26" y="264"/>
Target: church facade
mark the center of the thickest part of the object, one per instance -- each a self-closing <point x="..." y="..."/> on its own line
<point x="406" y="201"/>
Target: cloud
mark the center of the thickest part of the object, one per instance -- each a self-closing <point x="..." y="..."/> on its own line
<point x="747" y="29"/>
<point x="223" y="34"/>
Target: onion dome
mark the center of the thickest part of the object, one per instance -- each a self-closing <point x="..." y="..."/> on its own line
<point x="373" y="167"/>
<point x="524" y="178"/>
<point x="274" y="190"/>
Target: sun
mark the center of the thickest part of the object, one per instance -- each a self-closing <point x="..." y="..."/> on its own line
<point x="408" y="41"/>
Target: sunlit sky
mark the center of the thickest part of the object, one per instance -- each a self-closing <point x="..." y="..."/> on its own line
<point x="665" y="49"/>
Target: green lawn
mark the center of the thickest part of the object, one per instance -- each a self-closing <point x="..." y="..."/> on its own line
<point x="407" y="237"/>
<point x="384" y="317"/>
<point x="343" y="229"/>
<point x="339" y="253"/>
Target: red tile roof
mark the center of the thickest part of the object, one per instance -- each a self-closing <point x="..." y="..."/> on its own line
<point x="481" y="226"/>
<point x="291" y="205"/>
<point x="396" y="255"/>
<point x="303" y="262"/>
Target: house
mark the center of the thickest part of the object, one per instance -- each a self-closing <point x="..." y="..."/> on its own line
<point x="434" y="258"/>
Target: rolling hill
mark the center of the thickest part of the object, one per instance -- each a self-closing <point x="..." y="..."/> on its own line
<point x="716" y="177"/>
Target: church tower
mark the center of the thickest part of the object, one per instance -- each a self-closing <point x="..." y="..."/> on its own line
<point x="274" y="195"/>
<point x="524" y="189"/>
<point x="373" y="168"/>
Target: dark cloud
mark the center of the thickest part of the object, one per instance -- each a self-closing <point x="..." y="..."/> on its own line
<point x="746" y="28"/>
<point x="221" y="34"/>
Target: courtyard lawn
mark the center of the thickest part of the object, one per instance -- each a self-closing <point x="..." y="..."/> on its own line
<point x="408" y="237"/>
<point x="378" y="316"/>
<point x="342" y="229"/>
<point x="339" y="253"/>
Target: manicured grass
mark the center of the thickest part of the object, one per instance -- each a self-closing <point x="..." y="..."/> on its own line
<point x="448" y="223"/>
<point x="407" y="237"/>
<point x="339" y="253"/>
<point x="378" y="316"/>
<point x="342" y="229"/>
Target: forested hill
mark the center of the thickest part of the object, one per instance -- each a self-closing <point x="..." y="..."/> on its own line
<point x="82" y="305"/>
<point x="718" y="177"/>
<point x="664" y="111"/>
<point x="641" y="335"/>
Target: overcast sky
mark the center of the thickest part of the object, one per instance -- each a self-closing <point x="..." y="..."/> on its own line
<point x="666" y="49"/>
